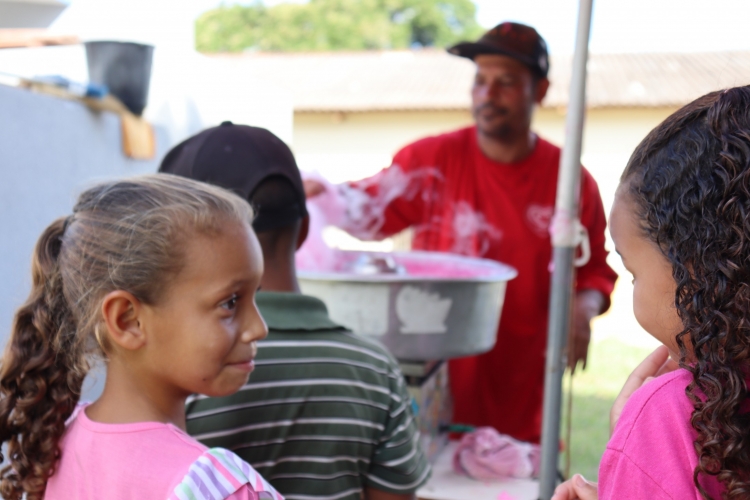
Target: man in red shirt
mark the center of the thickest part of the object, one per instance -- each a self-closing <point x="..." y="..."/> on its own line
<point x="489" y="191"/>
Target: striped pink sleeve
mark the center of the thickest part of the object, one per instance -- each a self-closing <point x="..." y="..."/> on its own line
<point x="219" y="474"/>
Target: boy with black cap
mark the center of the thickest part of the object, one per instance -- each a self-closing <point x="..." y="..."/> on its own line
<point x="489" y="191"/>
<point x="326" y="414"/>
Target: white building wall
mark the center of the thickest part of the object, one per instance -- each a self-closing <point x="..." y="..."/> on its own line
<point x="347" y="146"/>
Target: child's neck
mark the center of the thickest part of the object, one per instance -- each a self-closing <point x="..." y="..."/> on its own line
<point x="129" y="399"/>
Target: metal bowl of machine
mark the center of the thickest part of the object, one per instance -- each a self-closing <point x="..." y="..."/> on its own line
<point x="420" y="305"/>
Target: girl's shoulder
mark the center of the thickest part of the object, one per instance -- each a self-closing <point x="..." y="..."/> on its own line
<point x="159" y="435"/>
<point x="648" y="406"/>
<point x="155" y="455"/>
<point x="651" y="452"/>
<point x="673" y="383"/>
<point x="160" y="459"/>
<point x="219" y="474"/>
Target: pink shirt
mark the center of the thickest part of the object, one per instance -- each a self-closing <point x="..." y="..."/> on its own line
<point x="651" y="453"/>
<point x="146" y="460"/>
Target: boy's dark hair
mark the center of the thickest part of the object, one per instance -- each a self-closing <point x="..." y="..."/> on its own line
<point x="276" y="197"/>
<point x="690" y="181"/>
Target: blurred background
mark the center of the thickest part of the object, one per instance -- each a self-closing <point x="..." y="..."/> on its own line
<point x="346" y="83"/>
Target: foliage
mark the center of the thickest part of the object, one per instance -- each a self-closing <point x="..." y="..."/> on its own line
<point x="324" y="25"/>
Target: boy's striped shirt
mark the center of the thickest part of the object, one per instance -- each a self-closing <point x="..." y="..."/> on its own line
<point x="325" y="414"/>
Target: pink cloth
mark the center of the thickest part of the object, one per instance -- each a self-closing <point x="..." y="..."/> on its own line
<point x="651" y="453"/>
<point x="124" y="461"/>
<point x="487" y="454"/>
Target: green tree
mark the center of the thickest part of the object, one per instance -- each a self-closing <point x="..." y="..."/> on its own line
<point x="337" y="25"/>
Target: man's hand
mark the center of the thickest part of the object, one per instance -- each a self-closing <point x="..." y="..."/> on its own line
<point x="588" y="304"/>
<point x="576" y="488"/>
<point x="657" y="363"/>
<point x="312" y="187"/>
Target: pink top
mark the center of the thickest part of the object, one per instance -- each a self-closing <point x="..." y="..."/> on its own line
<point x="147" y="460"/>
<point x="651" y="453"/>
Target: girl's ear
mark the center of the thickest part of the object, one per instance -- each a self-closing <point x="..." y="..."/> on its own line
<point x="121" y="311"/>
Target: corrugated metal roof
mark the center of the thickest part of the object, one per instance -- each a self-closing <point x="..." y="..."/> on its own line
<point x="435" y="80"/>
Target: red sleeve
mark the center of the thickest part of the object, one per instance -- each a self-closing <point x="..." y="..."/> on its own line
<point x="393" y="199"/>
<point x="596" y="274"/>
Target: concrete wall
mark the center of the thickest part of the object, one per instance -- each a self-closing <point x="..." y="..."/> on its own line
<point x="50" y="150"/>
<point x="188" y="91"/>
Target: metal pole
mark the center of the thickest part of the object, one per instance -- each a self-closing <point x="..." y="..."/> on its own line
<point x="564" y="242"/>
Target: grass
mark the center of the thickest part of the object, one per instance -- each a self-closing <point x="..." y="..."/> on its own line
<point x="594" y="391"/>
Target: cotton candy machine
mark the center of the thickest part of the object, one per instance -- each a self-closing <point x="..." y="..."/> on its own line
<point x="425" y="307"/>
<point x="422" y="306"/>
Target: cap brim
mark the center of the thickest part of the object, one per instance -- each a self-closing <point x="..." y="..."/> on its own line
<point x="471" y="50"/>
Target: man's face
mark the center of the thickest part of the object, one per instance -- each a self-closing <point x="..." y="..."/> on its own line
<point x="503" y="96"/>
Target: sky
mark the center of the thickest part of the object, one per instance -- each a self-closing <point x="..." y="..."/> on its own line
<point x="632" y="25"/>
<point x="618" y="25"/>
<point x="627" y="25"/>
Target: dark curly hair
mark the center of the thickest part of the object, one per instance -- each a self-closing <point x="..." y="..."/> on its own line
<point x="690" y="181"/>
<point x="123" y="235"/>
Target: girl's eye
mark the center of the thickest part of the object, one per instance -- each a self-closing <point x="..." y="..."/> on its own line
<point x="231" y="304"/>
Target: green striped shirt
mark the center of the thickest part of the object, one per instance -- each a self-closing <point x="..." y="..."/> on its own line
<point x="325" y="414"/>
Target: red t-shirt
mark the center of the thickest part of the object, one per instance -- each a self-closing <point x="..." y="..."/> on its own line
<point x="457" y="200"/>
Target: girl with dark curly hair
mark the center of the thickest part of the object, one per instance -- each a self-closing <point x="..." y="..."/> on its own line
<point x="156" y="275"/>
<point x="681" y="222"/>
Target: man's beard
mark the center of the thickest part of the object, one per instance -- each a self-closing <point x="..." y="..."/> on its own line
<point x="502" y="132"/>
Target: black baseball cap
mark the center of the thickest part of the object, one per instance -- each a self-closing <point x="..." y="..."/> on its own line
<point x="515" y="40"/>
<point x="239" y="158"/>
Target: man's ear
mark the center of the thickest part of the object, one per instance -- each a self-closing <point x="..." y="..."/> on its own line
<point x="121" y="311"/>
<point x="304" y="230"/>
<point x="542" y="86"/>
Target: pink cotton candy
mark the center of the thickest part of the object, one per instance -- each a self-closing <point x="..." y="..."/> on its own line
<point x="324" y="210"/>
<point x="430" y="269"/>
<point x="505" y="496"/>
<point x="354" y="210"/>
<point x="315" y="254"/>
<point x="487" y="454"/>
